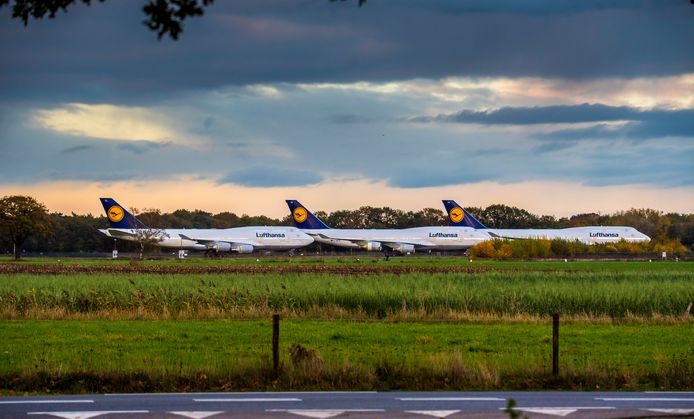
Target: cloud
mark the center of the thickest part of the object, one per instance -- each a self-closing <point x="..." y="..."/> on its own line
<point x="436" y="177"/>
<point x="548" y="7"/>
<point x="309" y="134"/>
<point x="114" y="59"/>
<point x="271" y="177"/>
<point x="484" y="93"/>
<point x="280" y="29"/>
<point x="106" y="122"/>
<point x="561" y="114"/>
<point x="78" y="148"/>
<point x="141" y="147"/>
<point x="290" y="92"/>
<point x="349" y="118"/>
<point x="637" y="123"/>
<point x="644" y="125"/>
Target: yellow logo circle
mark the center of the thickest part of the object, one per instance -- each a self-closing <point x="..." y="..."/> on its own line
<point x="115" y="213"/>
<point x="456" y="214"/>
<point x="300" y="214"/>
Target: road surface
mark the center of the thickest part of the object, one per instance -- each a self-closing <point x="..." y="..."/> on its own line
<point x="353" y="404"/>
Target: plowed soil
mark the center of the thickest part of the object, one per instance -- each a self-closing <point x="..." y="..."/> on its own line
<point x="64" y="269"/>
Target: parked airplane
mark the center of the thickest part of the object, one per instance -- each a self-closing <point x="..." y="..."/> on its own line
<point x="239" y="239"/>
<point x="404" y="241"/>
<point x="589" y="235"/>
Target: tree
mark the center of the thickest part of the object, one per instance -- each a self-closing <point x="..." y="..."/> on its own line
<point x="22" y="217"/>
<point x="650" y="222"/>
<point x="427" y="217"/>
<point x="503" y="216"/>
<point x="150" y="236"/>
<point x="163" y="16"/>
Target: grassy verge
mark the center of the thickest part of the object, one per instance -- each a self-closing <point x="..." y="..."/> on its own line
<point x="414" y="296"/>
<point x="98" y="356"/>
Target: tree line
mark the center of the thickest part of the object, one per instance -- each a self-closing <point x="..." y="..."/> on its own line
<point x="79" y="233"/>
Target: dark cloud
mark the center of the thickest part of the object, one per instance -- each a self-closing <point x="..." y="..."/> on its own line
<point x="141" y="147"/>
<point x="661" y="123"/>
<point x="104" y="53"/>
<point x="644" y="125"/>
<point x="554" y="146"/>
<point x="544" y="7"/>
<point x="78" y="148"/>
<point x="562" y="114"/>
<point x="271" y="176"/>
<point x="442" y="176"/>
<point x="639" y="124"/>
<point x="349" y="118"/>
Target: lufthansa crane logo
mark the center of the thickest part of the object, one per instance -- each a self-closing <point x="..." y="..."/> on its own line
<point x="300" y="214"/>
<point x="115" y="213"/>
<point x="456" y="214"/>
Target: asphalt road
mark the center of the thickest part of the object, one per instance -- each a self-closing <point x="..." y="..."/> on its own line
<point x="354" y="405"/>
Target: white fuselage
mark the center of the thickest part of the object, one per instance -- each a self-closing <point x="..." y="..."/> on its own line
<point x="262" y="238"/>
<point x="587" y="235"/>
<point x="433" y="238"/>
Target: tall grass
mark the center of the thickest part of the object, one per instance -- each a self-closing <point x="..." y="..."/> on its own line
<point x="506" y="294"/>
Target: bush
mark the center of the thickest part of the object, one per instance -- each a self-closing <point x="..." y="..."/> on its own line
<point x="542" y="248"/>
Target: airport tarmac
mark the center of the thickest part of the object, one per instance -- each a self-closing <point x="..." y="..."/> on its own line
<point x="353" y="404"/>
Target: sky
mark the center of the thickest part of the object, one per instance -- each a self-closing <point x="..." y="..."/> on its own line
<point x="559" y="107"/>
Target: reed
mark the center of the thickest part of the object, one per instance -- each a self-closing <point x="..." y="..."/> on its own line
<point x="513" y="294"/>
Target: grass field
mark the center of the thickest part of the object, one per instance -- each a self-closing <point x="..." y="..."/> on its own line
<point x="361" y="323"/>
<point x="98" y="356"/>
<point x="517" y="294"/>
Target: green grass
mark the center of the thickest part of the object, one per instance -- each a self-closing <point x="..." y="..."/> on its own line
<point x="376" y="261"/>
<point x="166" y="356"/>
<point x="623" y="326"/>
<point x="591" y="294"/>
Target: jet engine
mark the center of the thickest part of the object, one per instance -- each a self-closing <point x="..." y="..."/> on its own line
<point x="371" y="246"/>
<point x="403" y="248"/>
<point x="242" y="248"/>
<point x="221" y="247"/>
<point x="224" y="247"/>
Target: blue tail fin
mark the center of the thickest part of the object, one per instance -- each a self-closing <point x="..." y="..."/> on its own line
<point x="303" y="218"/>
<point x="459" y="217"/>
<point x="119" y="217"/>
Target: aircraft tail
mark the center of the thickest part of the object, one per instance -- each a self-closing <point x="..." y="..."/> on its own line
<point x="119" y="217"/>
<point x="303" y="218"/>
<point x="459" y="217"/>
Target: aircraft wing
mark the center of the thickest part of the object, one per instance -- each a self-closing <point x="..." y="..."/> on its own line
<point x="137" y="234"/>
<point x="418" y="244"/>
<point x="497" y="236"/>
<point x="120" y="233"/>
<point x="208" y="242"/>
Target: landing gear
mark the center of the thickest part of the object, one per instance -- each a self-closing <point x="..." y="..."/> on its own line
<point x="211" y="253"/>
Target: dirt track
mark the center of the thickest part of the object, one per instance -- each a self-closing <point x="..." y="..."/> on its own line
<point x="64" y="269"/>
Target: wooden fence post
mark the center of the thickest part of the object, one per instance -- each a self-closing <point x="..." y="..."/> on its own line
<point x="555" y="344"/>
<point x="276" y="344"/>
